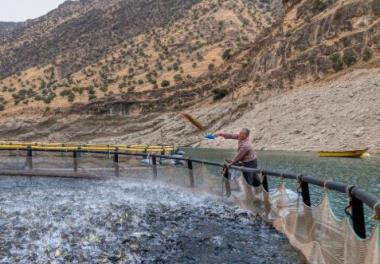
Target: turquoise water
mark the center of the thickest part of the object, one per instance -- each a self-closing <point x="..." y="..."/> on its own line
<point x="360" y="172"/>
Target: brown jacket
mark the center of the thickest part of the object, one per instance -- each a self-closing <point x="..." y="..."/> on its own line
<point x="245" y="149"/>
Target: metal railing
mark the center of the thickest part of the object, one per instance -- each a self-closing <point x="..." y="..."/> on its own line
<point x="358" y="196"/>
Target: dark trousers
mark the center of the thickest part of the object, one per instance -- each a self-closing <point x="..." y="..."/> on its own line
<point x="251" y="177"/>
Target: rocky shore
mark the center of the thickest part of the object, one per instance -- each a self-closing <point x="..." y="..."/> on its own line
<point x="340" y="114"/>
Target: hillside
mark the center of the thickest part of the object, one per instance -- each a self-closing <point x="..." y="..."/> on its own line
<point x="316" y="116"/>
<point x="9" y="26"/>
<point x="90" y="49"/>
<point x="121" y="71"/>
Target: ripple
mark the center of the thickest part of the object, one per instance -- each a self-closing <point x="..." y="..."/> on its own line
<point x="81" y="221"/>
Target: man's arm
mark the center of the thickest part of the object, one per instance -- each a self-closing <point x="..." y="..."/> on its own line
<point x="228" y="136"/>
<point x="243" y="151"/>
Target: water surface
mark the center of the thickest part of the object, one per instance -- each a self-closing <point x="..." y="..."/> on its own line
<point x="360" y="172"/>
<point x="117" y="221"/>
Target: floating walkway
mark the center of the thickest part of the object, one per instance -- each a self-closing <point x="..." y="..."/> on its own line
<point x="17" y="145"/>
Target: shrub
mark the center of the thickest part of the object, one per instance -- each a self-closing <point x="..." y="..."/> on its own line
<point x="177" y="78"/>
<point x="91" y="97"/>
<point x="22" y="95"/>
<point x="49" y="97"/>
<point x="349" y="58"/>
<point x="153" y="81"/>
<point x="69" y="94"/>
<point x="367" y="54"/>
<point x="91" y="90"/>
<point x="121" y="86"/>
<point x="165" y="83"/>
<point x="104" y="88"/>
<point x="211" y="67"/>
<point x="336" y="58"/>
<point x="220" y="93"/>
<point x="319" y="5"/>
<point x="175" y="66"/>
<point x="227" y="54"/>
<point x="199" y="57"/>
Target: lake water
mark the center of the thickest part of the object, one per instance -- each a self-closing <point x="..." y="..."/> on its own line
<point x="360" y="172"/>
<point x="124" y="221"/>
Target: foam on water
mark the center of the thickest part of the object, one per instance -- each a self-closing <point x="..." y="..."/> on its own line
<point x="82" y="221"/>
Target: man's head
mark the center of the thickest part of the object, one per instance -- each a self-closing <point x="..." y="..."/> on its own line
<point x="244" y="134"/>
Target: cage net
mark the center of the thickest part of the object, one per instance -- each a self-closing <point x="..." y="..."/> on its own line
<point x="315" y="230"/>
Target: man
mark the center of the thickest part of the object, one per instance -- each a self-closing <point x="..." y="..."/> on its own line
<point x="246" y="155"/>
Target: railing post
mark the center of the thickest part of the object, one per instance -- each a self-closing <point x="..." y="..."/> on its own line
<point x="308" y="215"/>
<point x="154" y="166"/>
<point x="75" y="161"/>
<point x="266" y="189"/>
<point x="358" y="220"/>
<point x="305" y="192"/>
<point x="191" y="172"/>
<point x="226" y="180"/>
<point x="265" y="181"/>
<point x="29" y="158"/>
<point x="116" y="162"/>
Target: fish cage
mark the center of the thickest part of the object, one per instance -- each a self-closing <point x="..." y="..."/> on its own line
<point x="298" y="206"/>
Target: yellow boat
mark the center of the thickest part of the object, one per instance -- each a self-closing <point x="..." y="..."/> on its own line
<point x="344" y="154"/>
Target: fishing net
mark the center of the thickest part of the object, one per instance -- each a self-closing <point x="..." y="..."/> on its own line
<point x="315" y="230"/>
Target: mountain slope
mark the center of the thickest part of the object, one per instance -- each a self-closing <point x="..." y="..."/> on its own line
<point x="216" y="59"/>
<point x="96" y="49"/>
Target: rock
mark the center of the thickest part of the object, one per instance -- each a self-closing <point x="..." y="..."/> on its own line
<point x="359" y="132"/>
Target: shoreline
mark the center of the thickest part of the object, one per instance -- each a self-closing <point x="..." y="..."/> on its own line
<point x="221" y="148"/>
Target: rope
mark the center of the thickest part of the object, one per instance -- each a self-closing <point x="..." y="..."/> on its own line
<point x="349" y="193"/>
<point x="375" y="215"/>
<point x="299" y="182"/>
<point x="282" y="179"/>
<point x="324" y="184"/>
<point x="225" y="172"/>
<point x="325" y="187"/>
<point x="261" y="177"/>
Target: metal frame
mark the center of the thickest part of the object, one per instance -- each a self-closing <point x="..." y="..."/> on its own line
<point x="358" y="196"/>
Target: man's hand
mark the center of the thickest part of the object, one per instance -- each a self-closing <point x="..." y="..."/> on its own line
<point x="228" y="163"/>
<point x="220" y="134"/>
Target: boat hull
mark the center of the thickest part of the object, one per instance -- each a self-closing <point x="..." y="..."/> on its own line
<point x="343" y="154"/>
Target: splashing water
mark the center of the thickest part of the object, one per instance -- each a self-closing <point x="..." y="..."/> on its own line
<point x="114" y="221"/>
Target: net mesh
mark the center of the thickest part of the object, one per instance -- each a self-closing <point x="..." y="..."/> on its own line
<point x="315" y="230"/>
